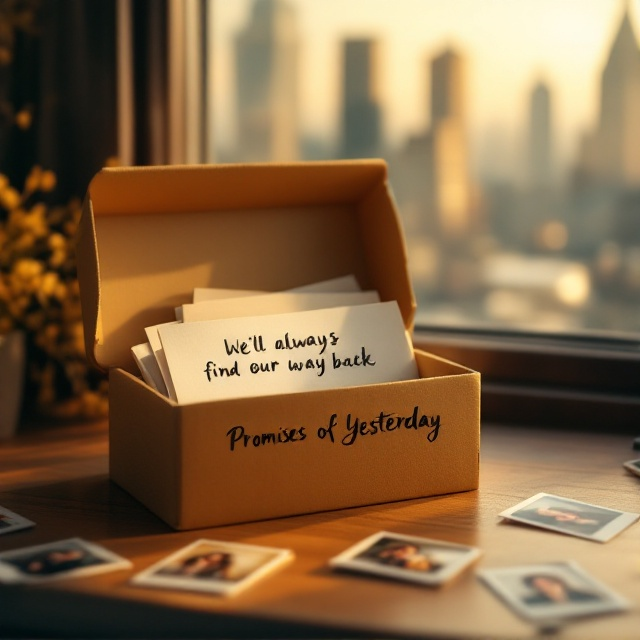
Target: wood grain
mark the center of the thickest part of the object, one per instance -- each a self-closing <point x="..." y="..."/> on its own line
<point x="58" y="477"/>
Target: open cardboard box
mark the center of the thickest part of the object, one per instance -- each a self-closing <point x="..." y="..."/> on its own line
<point x="149" y="235"/>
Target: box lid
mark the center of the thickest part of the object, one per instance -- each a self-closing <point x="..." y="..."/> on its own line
<point x="149" y="235"/>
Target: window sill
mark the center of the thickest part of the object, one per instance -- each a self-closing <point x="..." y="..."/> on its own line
<point x="578" y="382"/>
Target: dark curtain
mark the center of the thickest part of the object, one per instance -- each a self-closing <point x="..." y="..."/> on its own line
<point x="19" y="91"/>
<point x="64" y="72"/>
<point x="77" y="128"/>
<point x="149" y="20"/>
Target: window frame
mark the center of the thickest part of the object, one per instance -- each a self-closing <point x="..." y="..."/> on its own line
<point x="582" y="382"/>
<point x="576" y="381"/>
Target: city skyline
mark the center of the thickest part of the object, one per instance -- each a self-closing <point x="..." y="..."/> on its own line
<point x="502" y="127"/>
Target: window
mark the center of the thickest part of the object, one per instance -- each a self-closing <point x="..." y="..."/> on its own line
<point x="511" y="131"/>
<point x="512" y="134"/>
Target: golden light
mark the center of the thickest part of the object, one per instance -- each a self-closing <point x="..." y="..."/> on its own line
<point x="573" y="287"/>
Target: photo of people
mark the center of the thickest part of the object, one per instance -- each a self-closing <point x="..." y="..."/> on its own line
<point x="571" y="517"/>
<point x="429" y="562"/>
<point x="10" y="521"/>
<point x="213" y="566"/>
<point x="633" y="466"/>
<point x="62" y="559"/>
<point x="552" y="592"/>
<point x="547" y="588"/>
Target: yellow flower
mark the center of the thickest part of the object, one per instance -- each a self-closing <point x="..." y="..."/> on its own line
<point x="56" y="241"/>
<point x="48" y="285"/>
<point x="36" y="222"/>
<point x="57" y="259"/>
<point x="9" y="198"/>
<point x="48" y="181"/>
<point x="27" y="268"/>
<point x="32" y="182"/>
<point x="24" y="118"/>
<point x="40" y="293"/>
<point x="24" y="243"/>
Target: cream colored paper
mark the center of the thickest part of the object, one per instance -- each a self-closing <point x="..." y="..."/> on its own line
<point x="334" y="285"/>
<point x="148" y="365"/>
<point x="156" y="347"/>
<point x="272" y="303"/>
<point x="342" y="284"/>
<point x="205" y="294"/>
<point x="258" y="356"/>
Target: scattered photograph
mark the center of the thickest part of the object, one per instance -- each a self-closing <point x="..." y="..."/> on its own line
<point x="56" y="560"/>
<point x="552" y="592"/>
<point x="571" y="517"/>
<point x="630" y="465"/>
<point x="10" y="521"/>
<point x="213" y="566"/>
<point x="409" y="558"/>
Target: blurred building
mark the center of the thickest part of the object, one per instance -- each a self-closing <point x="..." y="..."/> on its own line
<point x="267" y="56"/>
<point x="611" y="154"/>
<point x="361" y="112"/>
<point x="540" y="137"/>
<point x="448" y="176"/>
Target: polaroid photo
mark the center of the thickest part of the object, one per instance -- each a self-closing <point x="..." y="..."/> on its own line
<point x="224" y="568"/>
<point x="73" y="557"/>
<point x="572" y="517"/>
<point x="631" y="465"/>
<point x="551" y="593"/>
<point x="408" y="558"/>
<point x="10" y="521"/>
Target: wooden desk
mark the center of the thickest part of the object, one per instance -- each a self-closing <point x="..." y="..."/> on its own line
<point x="58" y="478"/>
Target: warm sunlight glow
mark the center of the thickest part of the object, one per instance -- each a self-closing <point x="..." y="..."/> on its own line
<point x="510" y="45"/>
<point x="572" y="287"/>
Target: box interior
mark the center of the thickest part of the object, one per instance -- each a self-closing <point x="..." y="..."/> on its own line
<point x="156" y="233"/>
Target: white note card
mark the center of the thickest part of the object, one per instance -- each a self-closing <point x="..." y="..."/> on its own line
<point x="288" y="352"/>
<point x="281" y="302"/>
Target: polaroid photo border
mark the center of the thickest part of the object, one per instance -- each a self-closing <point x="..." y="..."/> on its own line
<point x="602" y="523"/>
<point x="444" y="560"/>
<point x="633" y="466"/>
<point x="94" y="559"/>
<point x="11" y="521"/>
<point x="586" y="595"/>
<point x="259" y="561"/>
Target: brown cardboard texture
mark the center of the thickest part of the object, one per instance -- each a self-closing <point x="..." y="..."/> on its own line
<point x="149" y="235"/>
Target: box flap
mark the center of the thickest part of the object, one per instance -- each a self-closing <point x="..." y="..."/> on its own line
<point x="149" y="235"/>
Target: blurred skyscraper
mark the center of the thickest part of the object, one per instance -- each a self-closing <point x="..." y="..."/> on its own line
<point x="361" y="113"/>
<point x="540" y="137"/>
<point x="611" y="154"/>
<point x="267" y="55"/>
<point x="448" y="171"/>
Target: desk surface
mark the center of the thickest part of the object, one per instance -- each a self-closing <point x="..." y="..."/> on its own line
<point x="57" y="476"/>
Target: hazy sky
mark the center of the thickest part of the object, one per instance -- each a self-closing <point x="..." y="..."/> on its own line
<point x="509" y="44"/>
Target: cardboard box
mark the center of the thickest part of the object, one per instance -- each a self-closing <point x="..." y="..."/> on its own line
<point x="149" y="235"/>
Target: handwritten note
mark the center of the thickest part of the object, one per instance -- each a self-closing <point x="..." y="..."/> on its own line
<point x="334" y="285"/>
<point x="287" y="352"/>
<point x="284" y="302"/>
